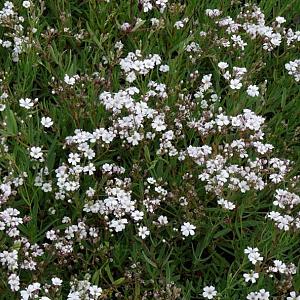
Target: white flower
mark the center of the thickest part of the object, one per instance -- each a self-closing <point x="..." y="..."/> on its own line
<point x="250" y="250"/>
<point x="119" y="45"/>
<point x="263" y="294"/>
<point x="137" y="215"/>
<point x="46" y="187"/>
<point x="253" y="255"/>
<point x="26" y="103"/>
<point x="280" y="20"/>
<point x="209" y="292"/>
<point x="95" y="291"/>
<point x="213" y="12"/>
<point x="293" y="296"/>
<point x="118" y="225"/>
<point x="154" y="22"/>
<point x="36" y="152"/>
<point x="74" y="158"/>
<point x="47" y="122"/>
<point x="90" y="192"/>
<point x="178" y="24"/>
<point x="163" y="220"/>
<point x="235" y="84"/>
<point x="222" y="120"/>
<point x="188" y="229"/>
<point x="6" y="44"/>
<point x="252" y="296"/>
<point x="30" y="291"/>
<point x="164" y="68"/>
<point x="226" y="204"/>
<point x="255" y="258"/>
<point x="14" y="282"/>
<point x="222" y="65"/>
<point x="56" y="281"/>
<point x="158" y="123"/>
<point x="135" y="138"/>
<point x="26" y="4"/>
<point x="51" y="236"/>
<point x="125" y="26"/>
<point x="74" y="296"/>
<point x="131" y="77"/>
<point x="69" y="80"/>
<point x="279" y="266"/>
<point x="251" y="277"/>
<point x="143" y="232"/>
<point x="151" y="180"/>
<point x="252" y="90"/>
<point x="293" y="68"/>
<point x="25" y="295"/>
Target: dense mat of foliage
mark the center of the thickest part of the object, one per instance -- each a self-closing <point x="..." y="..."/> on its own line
<point x="149" y="149"/>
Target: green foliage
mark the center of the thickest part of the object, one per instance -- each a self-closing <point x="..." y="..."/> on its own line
<point x="214" y="256"/>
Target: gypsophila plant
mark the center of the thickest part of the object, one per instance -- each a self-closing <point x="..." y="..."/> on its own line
<point x="149" y="150"/>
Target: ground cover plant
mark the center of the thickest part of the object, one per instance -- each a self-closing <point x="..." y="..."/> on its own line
<point x="149" y="149"/>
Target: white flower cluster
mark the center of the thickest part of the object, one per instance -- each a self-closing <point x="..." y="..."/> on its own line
<point x="9" y="221"/>
<point x="3" y="94"/>
<point x="130" y="127"/>
<point x="286" y="218"/>
<point x="63" y="242"/>
<point x="9" y="259"/>
<point x="157" y="89"/>
<point x="112" y="189"/>
<point x="119" y="207"/>
<point x="180" y="24"/>
<point x="24" y="256"/>
<point x="282" y="268"/>
<point x="253" y="255"/>
<point x="293" y="296"/>
<point x="3" y="99"/>
<point x="148" y="5"/>
<point x="39" y="181"/>
<point x="27" y="103"/>
<point x="110" y="169"/>
<point x="268" y="268"/>
<point x="70" y="80"/>
<point x="193" y="47"/>
<point x="155" y="194"/>
<point x="36" y="290"/>
<point x="134" y="121"/>
<point x="134" y="64"/>
<point x="14" y="282"/>
<point x="19" y="39"/>
<point x="293" y="68"/>
<point x="251" y="20"/>
<point x="262" y="294"/>
<point x="83" y="289"/>
<point x="8" y="188"/>
<point x="285" y="199"/>
<point x="219" y="173"/>
<point x="213" y="13"/>
<point x="235" y="77"/>
<point x="227" y="205"/>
